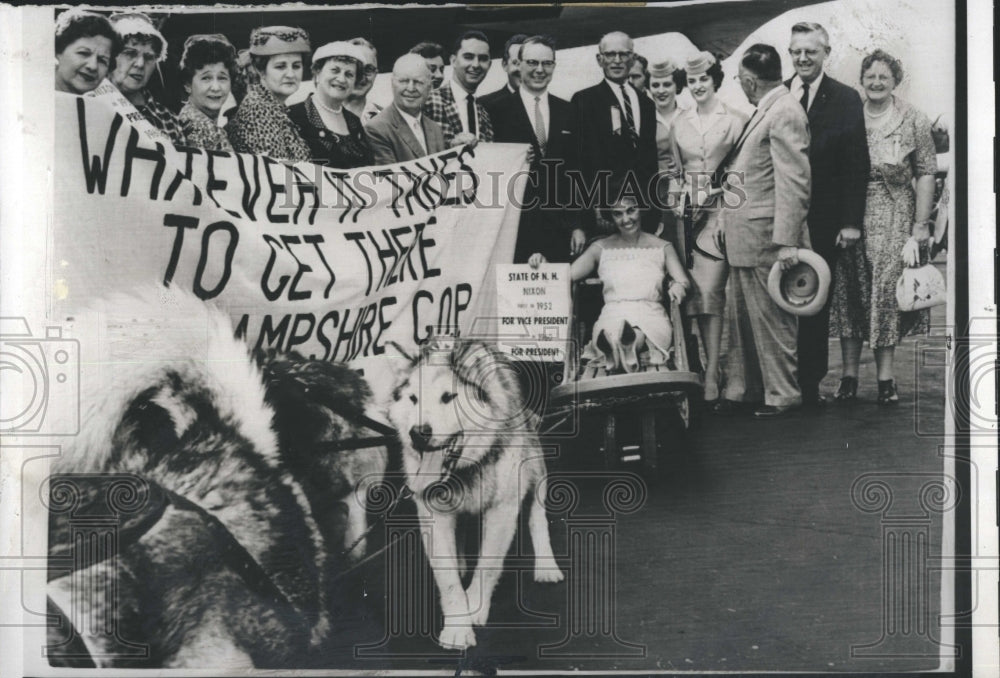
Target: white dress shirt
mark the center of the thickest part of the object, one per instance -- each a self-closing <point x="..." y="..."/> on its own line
<point x="528" y="99"/>
<point x="633" y="97"/>
<point x="461" y="103"/>
<point x="415" y="126"/>
<point x="813" y="88"/>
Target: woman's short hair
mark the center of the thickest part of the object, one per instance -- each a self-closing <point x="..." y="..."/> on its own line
<point x="199" y="54"/>
<point x="340" y="59"/>
<point x="83" y="24"/>
<point x="714" y="71"/>
<point x="619" y="188"/>
<point x="894" y="64"/>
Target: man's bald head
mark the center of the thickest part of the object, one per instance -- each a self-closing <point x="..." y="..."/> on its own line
<point x="615" y="56"/>
<point x="617" y="38"/>
<point x="411" y="83"/>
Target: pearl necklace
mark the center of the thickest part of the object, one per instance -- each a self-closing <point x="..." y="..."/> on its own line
<point x="335" y="111"/>
<point x="877" y="115"/>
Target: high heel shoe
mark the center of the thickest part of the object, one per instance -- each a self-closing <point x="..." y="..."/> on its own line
<point x="887" y="393"/>
<point x="848" y="390"/>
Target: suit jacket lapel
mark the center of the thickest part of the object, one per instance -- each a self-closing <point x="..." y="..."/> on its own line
<point x="405" y="133"/>
<point x="819" y="102"/>
<point x="755" y="120"/>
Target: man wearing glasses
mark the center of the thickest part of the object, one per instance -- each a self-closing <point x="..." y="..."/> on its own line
<point x="838" y="157"/>
<point x="616" y="132"/>
<point x="533" y="116"/>
<point x="358" y="103"/>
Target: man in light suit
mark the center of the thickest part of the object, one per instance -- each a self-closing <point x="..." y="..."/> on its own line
<point x="838" y="157"/>
<point x="401" y="131"/>
<point x="766" y="224"/>
<point x="533" y="116"/>
<point x="454" y="105"/>
<point x="616" y="128"/>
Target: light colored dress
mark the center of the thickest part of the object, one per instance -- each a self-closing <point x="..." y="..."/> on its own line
<point x="700" y="146"/>
<point x="633" y="280"/>
<point x="901" y="150"/>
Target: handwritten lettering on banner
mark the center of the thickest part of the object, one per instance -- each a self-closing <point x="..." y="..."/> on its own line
<point x="331" y="263"/>
<point x="533" y="306"/>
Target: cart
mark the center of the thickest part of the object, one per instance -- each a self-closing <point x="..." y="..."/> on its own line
<point x="638" y="417"/>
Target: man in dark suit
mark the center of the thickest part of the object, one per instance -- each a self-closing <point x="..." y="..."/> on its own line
<point x="401" y="131"/>
<point x="838" y="156"/>
<point x="768" y="224"/>
<point x="616" y="132"/>
<point x="535" y="117"/>
<point x="454" y="106"/>
<point x="512" y="67"/>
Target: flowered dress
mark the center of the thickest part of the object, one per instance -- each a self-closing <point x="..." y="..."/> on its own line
<point x="901" y="151"/>
<point x="262" y="126"/>
<point x="202" y="131"/>
<point x="633" y="280"/>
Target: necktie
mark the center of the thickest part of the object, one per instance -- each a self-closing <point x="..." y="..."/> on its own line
<point x="540" y="125"/>
<point x="418" y="132"/>
<point x="629" y="116"/>
<point x="805" y="96"/>
<point x="470" y="106"/>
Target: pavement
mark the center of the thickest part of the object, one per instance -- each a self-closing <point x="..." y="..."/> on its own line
<point x="804" y="543"/>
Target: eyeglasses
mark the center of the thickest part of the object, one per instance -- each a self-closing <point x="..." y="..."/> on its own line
<point x="797" y="53"/>
<point x="617" y="56"/>
<point x="534" y="63"/>
<point x="371" y="70"/>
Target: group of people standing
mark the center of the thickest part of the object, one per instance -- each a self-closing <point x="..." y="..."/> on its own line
<point x="817" y="165"/>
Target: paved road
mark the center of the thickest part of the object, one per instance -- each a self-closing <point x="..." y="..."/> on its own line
<point x="749" y="554"/>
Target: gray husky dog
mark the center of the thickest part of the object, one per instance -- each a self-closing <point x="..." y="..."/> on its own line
<point x="229" y="563"/>
<point x="469" y="446"/>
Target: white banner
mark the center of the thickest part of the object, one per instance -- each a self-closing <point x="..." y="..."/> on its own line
<point x="333" y="264"/>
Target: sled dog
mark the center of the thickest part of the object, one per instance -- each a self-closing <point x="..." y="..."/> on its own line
<point x="469" y="447"/>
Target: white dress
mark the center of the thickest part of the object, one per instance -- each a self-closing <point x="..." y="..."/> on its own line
<point x="633" y="280"/>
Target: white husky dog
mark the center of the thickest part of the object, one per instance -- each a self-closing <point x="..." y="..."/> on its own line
<point x="469" y="446"/>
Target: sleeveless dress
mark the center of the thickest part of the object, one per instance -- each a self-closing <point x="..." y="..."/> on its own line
<point x="633" y="280"/>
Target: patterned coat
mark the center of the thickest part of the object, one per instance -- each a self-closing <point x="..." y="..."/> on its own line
<point x="441" y="108"/>
<point x="202" y="131"/>
<point x="262" y="126"/>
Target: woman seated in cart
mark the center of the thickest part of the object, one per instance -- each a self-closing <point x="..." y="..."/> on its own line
<point x="634" y="329"/>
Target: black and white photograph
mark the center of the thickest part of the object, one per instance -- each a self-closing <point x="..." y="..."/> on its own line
<point x="499" y="339"/>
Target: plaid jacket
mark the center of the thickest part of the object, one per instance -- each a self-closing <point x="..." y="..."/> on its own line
<point x="440" y="108"/>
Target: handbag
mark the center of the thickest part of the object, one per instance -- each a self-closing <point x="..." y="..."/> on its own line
<point x="919" y="288"/>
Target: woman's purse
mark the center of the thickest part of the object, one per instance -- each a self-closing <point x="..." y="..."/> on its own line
<point x="919" y="288"/>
